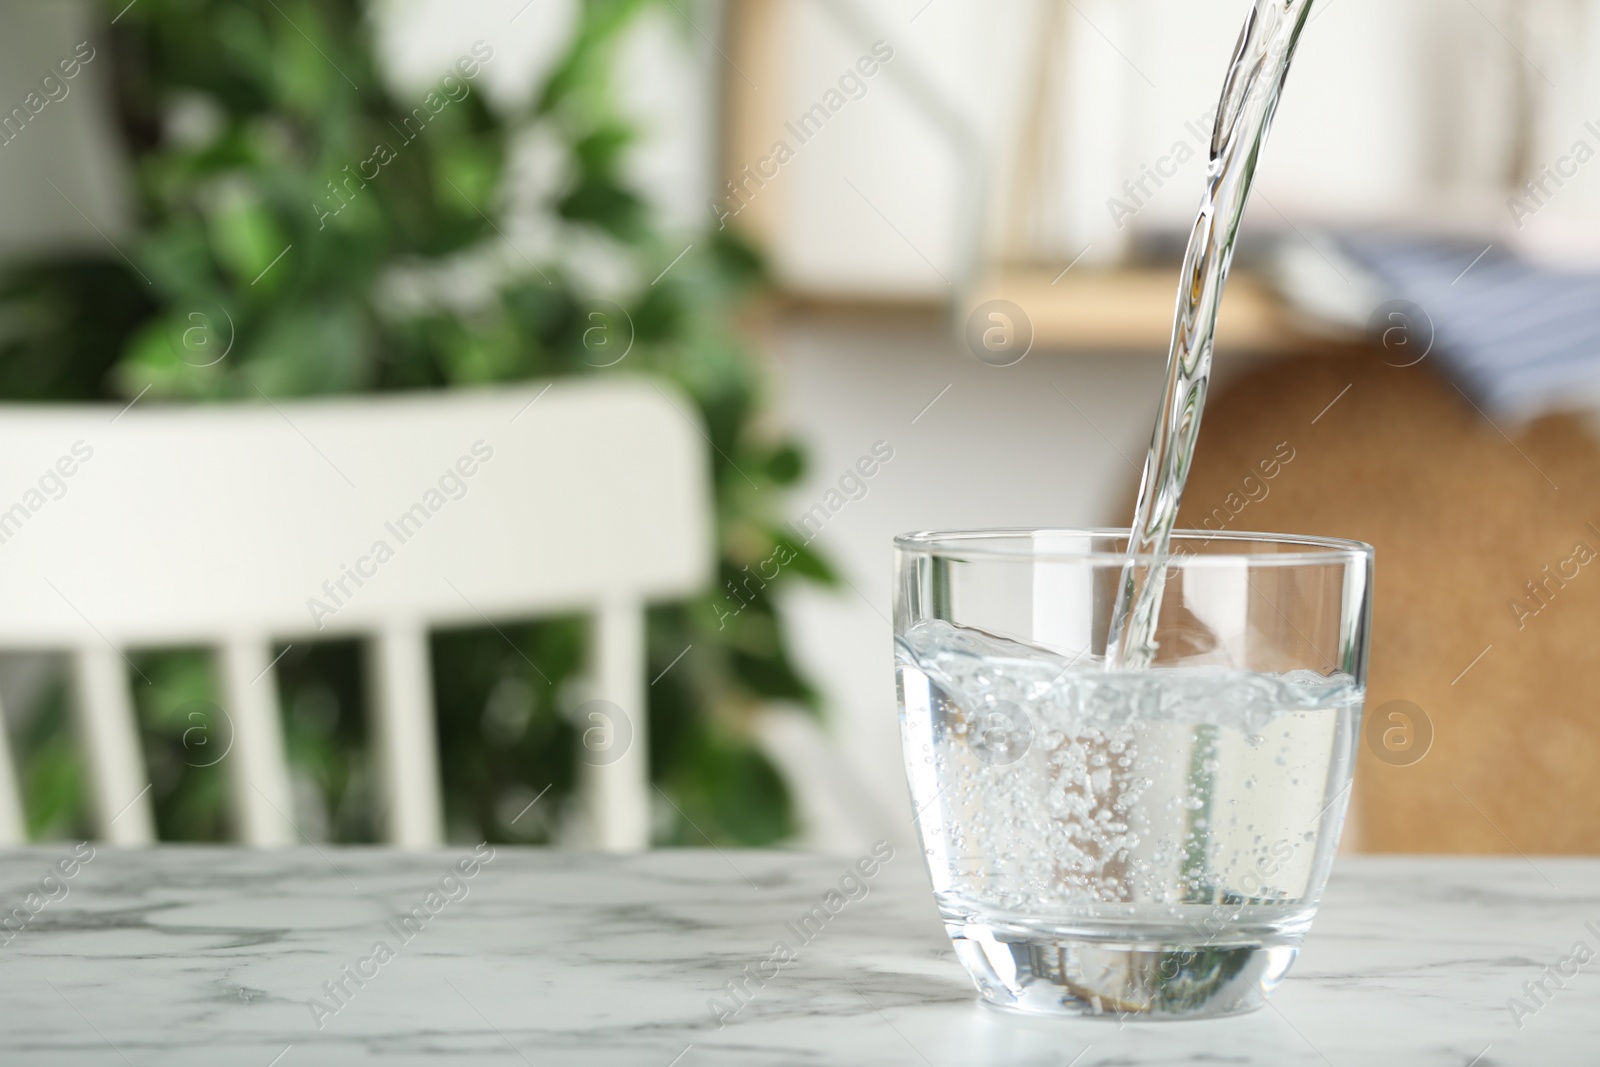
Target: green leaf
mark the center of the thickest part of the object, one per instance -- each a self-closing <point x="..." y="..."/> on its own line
<point x="246" y="239"/>
<point x="806" y="562"/>
<point x="787" y="464"/>
<point x="310" y="349"/>
<point x="599" y="200"/>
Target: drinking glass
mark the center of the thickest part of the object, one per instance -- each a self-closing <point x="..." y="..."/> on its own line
<point x="1129" y="842"/>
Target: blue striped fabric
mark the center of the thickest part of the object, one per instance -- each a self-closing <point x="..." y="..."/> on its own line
<point x="1521" y="339"/>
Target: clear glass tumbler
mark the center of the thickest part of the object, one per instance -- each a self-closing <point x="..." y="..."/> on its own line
<point x="1149" y="842"/>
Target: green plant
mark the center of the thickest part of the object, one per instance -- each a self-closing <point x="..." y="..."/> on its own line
<point x="295" y="217"/>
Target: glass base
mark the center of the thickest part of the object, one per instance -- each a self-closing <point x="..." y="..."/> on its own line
<point x="1119" y="979"/>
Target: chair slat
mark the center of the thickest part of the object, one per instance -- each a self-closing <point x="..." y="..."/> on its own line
<point x="122" y="810"/>
<point x="401" y="694"/>
<point x="614" y="742"/>
<point x="258" y="771"/>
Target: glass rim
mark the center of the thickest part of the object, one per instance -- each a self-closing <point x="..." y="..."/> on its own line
<point x="1304" y="548"/>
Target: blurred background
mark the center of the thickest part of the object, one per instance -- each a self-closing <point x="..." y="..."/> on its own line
<point x="939" y="234"/>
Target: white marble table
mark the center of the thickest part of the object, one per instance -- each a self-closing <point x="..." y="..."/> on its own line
<point x="179" y="956"/>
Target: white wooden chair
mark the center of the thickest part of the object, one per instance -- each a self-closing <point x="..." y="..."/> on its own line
<point x="228" y="526"/>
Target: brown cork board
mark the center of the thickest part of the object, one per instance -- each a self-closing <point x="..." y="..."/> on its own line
<point x="1464" y="517"/>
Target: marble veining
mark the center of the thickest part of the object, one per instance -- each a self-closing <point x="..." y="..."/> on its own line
<point x="188" y="955"/>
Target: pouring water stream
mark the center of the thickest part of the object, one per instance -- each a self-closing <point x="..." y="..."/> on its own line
<point x="1249" y="100"/>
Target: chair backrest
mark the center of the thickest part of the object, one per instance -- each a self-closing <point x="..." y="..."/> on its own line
<point x="234" y="526"/>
